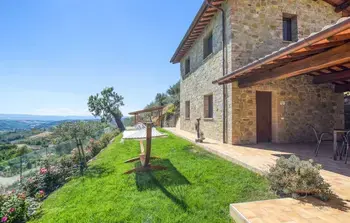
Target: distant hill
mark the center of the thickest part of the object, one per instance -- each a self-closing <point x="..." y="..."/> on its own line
<point x="6" y="125"/>
<point x="23" y="122"/>
<point x="43" y="117"/>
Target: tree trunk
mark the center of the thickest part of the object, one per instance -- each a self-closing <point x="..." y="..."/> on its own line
<point x="119" y="122"/>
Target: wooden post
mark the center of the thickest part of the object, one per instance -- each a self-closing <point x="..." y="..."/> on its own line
<point x="145" y="157"/>
<point x="148" y="143"/>
<point x="160" y="117"/>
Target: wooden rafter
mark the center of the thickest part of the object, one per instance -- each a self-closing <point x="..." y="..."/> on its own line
<point x="332" y="57"/>
<point x="305" y="53"/>
<point x="324" y="45"/>
<point x="340" y="37"/>
<point x="340" y="88"/>
<point x="336" y="76"/>
<point x="342" y="6"/>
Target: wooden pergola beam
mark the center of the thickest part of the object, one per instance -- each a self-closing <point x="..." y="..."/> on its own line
<point x="342" y="6"/>
<point x="341" y="88"/>
<point x="339" y="37"/>
<point x="324" y="45"/>
<point x="336" y="76"/>
<point x="332" y="57"/>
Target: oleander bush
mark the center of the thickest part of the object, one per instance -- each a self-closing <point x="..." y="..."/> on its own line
<point x="49" y="178"/>
<point x="295" y="177"/>
<point x="17" y="207"/>
<point x="13" y="207"/>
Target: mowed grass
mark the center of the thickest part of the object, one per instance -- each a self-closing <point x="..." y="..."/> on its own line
<point x="196" y="187"/>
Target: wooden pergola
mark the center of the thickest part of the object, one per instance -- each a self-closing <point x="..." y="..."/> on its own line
<point x="158" y="109"/>
<point x="206" y="14"/>
<point x="324" y="55"/>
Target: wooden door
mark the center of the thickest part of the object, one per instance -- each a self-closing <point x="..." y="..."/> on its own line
<point x="263" y="116"/>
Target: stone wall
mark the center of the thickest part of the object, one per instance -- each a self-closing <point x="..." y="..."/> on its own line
<point x="257" y="25"/>
<point x="254" y="30"/>
<point x="296" y="103"/>
<point x="198" y="82"/>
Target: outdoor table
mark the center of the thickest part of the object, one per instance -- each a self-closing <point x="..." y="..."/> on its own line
<point x="335" y="141"/>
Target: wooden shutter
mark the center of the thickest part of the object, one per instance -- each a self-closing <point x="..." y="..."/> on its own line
<point x="206" y="107"/>
<point x="210" y="106"/>
<point x="287" y="29"/>
<point x="294" y="29"/>
<point x="210" y="44"/>
<point x="187" y="66"/>
<point x="187" y="109"/>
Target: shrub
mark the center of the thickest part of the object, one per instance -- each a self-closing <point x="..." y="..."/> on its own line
<point x="95" y="147"/>
<point x="293" y="176"/>
<point x="105" y="139"/>
<point x="13" y="207"/>
<point x="49" y="177"/>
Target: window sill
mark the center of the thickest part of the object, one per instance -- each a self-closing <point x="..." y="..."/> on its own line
<point x="208" y="119"/>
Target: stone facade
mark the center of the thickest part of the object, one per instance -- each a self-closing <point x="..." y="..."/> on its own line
<point x="198" y="83"/>
<point x="296" y="104"/>
<point x="254" y="30"/>
<point x="257" y="25"/>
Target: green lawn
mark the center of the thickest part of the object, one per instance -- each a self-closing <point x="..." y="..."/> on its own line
<point x="197" y="187"/>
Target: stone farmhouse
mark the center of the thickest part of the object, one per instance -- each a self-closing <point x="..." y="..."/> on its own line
<point x="276" y="71"/>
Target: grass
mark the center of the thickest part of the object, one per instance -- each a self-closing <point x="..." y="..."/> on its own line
<point x="197" y="187"/>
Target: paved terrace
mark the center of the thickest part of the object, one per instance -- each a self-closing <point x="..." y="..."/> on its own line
<point x="260" y="157"/>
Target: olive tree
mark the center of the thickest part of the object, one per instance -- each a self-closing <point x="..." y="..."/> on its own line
<point x="107" y="106"/>
<point x="77" y="131"/>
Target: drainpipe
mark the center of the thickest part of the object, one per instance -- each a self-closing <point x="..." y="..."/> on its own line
<point x="223" y="68"/>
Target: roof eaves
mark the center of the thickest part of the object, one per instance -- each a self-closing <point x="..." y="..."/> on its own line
<point x="189" y="31"/>
<point x="340" y="25"/>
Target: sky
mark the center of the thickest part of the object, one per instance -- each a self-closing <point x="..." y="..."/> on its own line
<point x="54" y="54"/>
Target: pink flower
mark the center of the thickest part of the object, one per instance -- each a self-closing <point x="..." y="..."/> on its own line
<point x="43" y="170"/>
<point x="4" y="219"/>
<point x="21" y="196"/>
<point x="12" y="210"/>
<point x="41" y="192"/>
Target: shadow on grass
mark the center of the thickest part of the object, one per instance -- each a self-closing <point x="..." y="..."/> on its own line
<point x="160" y="179"/>
<point x="97" y="172"/>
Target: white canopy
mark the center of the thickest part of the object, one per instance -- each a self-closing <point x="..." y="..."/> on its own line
<point x="141" y="134"/>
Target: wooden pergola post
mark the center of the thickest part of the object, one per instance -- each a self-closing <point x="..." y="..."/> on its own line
<point x="145" y="157"/>
<point x="158" y="109"/>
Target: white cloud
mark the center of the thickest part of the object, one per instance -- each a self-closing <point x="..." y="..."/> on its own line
<point x="61" y="112"/>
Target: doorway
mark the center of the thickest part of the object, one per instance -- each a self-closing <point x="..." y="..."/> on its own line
<point x="263" y="116"/>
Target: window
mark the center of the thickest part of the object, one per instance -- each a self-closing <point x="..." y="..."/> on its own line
<point x="187" y="65"/>
<point x="290" y="27"/>
<point x="187" y="109"/>
<point x="208" y="45"/>
<point x="208" y="106"/>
